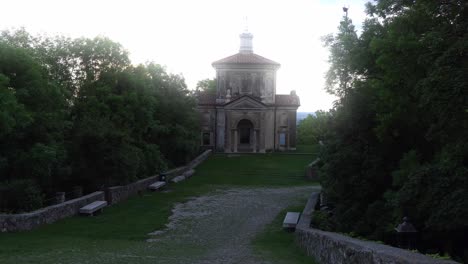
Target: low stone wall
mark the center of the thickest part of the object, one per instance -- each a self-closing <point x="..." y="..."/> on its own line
<point x="46" y="215"/>
<point x="117" y="194"/>
<point x="113" y="195"/>
<point x="194" y="163"/>
<point x="333" y="248"/>
<point x="175" y="172"/>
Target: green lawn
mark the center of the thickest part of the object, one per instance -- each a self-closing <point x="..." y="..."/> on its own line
<point x="307" y="149"/>
<point x="127" y="224"/>
<point x="280" y="244"/>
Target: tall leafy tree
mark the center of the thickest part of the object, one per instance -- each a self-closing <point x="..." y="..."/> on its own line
<point x="312" y="129"/>
<point x="207" y="86"/>
<point x="76" y="112"/>
<point x="396" y="146"/>
<point x="33" y="121"/>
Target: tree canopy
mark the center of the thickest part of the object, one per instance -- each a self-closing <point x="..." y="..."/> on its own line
<point x="312" y="129"/>
<point x="207" y="86"/>
<point x="77" y="112"/>
<point x="396" y="144"/>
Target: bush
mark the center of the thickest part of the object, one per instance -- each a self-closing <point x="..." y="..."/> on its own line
<point x="20" y="196"/>
<point x="322" y="220"/>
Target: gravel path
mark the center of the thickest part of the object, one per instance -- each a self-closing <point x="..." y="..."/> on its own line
<point x="219" y="228"/>
<point x="214" y="228"/>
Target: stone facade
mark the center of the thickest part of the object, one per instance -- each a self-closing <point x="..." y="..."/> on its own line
<point x="46" y="215"/>
<point x="333" y="248"/>
<point x="246" y="114"/>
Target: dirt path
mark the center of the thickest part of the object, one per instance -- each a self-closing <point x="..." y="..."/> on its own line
<point x="218" y="228"/>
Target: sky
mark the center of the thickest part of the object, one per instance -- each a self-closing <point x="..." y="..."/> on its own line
<point x="186" y="36"/>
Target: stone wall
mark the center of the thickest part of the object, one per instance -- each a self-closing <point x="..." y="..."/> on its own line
<point x="117" y="194"/>
<point x="195" y="162"/>
<point x="175" y="172"/>
<point x="113" y="195"/>
<point x="333" y="248"/>
<point x="46" y="215"/>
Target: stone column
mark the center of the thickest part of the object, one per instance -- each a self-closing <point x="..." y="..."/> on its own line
<point x="292" y="130"/>
<point x="262" y="130"/>
<point x="254" y="141"/>
<point x="235" y="140"/>
<point x="220" y="129"/>
<point x="227" y="146"/>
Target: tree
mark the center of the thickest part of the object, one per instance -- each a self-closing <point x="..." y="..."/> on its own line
<point x="33" y="115"/>
<point x="207" y="86"/>
<point x="396" y="145"/>
<point x="313" y="128"/>
<point x="76" y="112"/>
<point x="340" y="75"/>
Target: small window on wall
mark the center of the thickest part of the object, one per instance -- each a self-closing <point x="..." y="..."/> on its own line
<point x="206" y="137"/>
<point x="282" y="139"/>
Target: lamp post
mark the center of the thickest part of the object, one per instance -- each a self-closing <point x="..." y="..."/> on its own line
<point x="406" y="234"/>
<point x="163" y="176"/>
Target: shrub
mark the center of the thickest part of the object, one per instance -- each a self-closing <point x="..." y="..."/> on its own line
<point x="20" y="196"/>
<point x="322" y="220"/>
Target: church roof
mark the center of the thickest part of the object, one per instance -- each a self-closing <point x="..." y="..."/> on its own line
<point x="287" y="100"/>
<point x="245" y="58"/>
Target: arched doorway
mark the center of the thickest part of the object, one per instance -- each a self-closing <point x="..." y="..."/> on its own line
<point x="246" y="134"/>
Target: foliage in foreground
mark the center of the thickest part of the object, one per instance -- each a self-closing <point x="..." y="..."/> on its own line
<point x="76" y="112"/>
<point x="396" y="143"/>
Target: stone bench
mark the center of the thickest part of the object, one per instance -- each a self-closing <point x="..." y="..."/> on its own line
<point x="189" y="173"/>
<point x="178" y="179"/>
<point x="157" y="185"/>
<point x="290" y="220"/>
<point x="93" y="207"/>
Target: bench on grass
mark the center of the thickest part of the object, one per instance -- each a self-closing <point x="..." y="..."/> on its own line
<point x="178" y="179"/>
<point x="290" y="220"/>
<point x="189" y="173"/>
<point x="93" y="207"/>
<point x="157" y="185"/>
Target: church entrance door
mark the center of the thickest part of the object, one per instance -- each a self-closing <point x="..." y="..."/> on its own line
<point x="245" y="128"/>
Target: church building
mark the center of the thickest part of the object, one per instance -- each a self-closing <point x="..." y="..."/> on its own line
<point x="246" y="114"/>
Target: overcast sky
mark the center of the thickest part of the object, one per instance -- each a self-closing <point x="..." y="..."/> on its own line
<point x="187" y="36"/>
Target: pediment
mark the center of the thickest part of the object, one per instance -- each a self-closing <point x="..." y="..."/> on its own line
<point x="245" y="102"/>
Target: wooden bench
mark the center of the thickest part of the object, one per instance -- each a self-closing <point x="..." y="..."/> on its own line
<point x="93" y="207"/>
<point x="157" y="185"/>
<point x="290" y="220"/>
